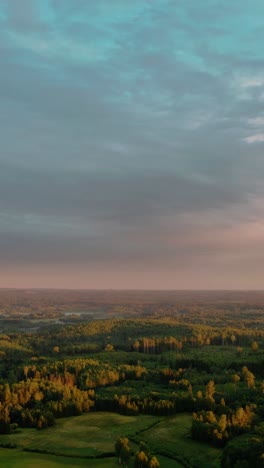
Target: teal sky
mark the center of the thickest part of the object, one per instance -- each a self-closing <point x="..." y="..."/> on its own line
<point x="132" y="144"/>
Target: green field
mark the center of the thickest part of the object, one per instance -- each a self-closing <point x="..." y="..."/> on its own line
<point x="94" y="433"/>
<point x="18" y="459"/>
<point x="87" y="435"/>
<point x="172" y="436"/>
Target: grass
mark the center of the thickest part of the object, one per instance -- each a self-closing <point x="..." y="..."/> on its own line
<point x="172" y="436"/>
<point x="94" y="433"/>
<point x="86" y="435"/>
<point x="18" y="459"/>
<point x="168" y="463"/>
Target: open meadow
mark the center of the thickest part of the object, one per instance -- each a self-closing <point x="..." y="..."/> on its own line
<point x="92" y="435"/>
<point x="87" y="435"/>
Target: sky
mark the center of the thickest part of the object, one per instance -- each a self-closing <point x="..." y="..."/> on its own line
<point x="132" y="138"/>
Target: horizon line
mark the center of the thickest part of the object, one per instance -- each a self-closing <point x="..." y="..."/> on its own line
<point x="43" y="288"/>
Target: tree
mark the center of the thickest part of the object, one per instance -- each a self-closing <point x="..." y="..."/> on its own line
<point x="136" y="345"/>
<point x="4" y="420"/>
<point x="144" y="458"/>
<point x="222" y="422"/>
<point x="123" y="450"/>
<point x="254" y="346"/>
<point x="125" y="455"/>
<point x="233" y="339"/>
<point x="154" y="463"/>
<point x="210" y="390"/>
<point x="141" y="460"/>
<point x="249" y="377"/>
<point x="235" y="378"/>
<point x="109" y="347"/>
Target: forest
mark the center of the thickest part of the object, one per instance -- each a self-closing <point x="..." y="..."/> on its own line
<point x="159" y="360"/>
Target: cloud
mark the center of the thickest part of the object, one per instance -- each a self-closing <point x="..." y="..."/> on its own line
<point x="258" y="138"/>
<point x="251" y="82"/>
<point x="127" y="131"/>
<point x="257" y="122"/>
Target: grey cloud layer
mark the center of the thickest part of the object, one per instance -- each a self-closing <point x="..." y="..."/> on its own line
<point x="117" y="123"/>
